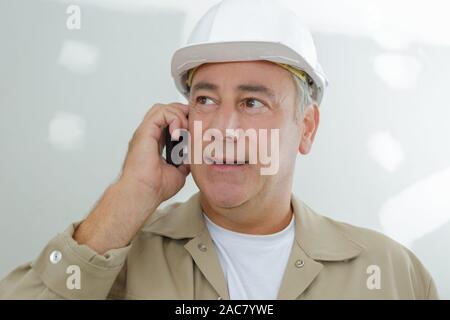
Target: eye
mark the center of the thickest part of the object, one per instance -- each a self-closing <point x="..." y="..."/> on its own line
<point x="253" y="103"/>
<point x="204" y="100"/>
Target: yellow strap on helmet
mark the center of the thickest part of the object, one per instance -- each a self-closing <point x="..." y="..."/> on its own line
<point x="299" y="73"/>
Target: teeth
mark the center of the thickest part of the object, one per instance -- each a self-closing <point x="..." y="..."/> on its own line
<point x="231" y="164"/>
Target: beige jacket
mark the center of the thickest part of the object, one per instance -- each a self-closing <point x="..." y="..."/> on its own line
<point x="173" y="257"/>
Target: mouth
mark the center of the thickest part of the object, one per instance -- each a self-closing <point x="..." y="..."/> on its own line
<point x="223" y="163"/>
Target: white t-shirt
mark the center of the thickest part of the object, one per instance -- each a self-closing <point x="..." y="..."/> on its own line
<point x="253" y="265"/>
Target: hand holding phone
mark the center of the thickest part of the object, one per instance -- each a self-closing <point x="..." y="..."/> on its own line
<point x="145" y="181"/>
<point x="144" y="162"/>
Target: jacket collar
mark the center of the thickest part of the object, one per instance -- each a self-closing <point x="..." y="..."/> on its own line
<point x="320" y="238"/>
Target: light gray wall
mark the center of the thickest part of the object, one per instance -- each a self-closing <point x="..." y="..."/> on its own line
<point x="380" y="159"/>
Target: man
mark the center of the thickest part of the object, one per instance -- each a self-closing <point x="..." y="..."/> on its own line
<point x="249" y="65"/>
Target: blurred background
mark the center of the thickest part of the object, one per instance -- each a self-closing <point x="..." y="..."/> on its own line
<point x="71" y="98"/>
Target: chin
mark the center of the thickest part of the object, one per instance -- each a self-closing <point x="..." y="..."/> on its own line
<point x="225" y="196"/>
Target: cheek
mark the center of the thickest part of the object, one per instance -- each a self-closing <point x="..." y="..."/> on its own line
<point x="287" y="128"/>
<point x="289" y="137"/>
<point x="198" y="173"/>
<point x="289" y="140"/>
<point x="197" y="125"/>
<point x="200" y="120"/>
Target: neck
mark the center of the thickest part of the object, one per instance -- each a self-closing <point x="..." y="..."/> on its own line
<point x="260" y="215"/>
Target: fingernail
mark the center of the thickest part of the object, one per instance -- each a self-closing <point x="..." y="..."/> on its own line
<point x="176" y="134"/>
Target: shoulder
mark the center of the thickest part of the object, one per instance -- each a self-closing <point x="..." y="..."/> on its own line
<point x="398" y="263"/>
<point x="373" y="242"/>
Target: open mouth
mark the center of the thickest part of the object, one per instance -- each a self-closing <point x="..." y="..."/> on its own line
<point x="226" y="162"/>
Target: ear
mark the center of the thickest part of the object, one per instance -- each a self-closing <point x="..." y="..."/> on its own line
<point x="309" y="128"/>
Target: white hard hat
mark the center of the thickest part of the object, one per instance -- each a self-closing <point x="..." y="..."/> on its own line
<point x="247" y="30"/>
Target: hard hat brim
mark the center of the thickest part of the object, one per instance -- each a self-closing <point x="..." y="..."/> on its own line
<point x="191" y="56"/>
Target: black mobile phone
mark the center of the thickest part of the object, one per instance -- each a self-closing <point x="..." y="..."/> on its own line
<point x="174" y="148"/>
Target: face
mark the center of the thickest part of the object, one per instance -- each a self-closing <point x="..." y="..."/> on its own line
<point x="251" y="95"/>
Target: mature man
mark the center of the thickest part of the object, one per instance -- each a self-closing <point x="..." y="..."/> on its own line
<point x="248" y="65"/>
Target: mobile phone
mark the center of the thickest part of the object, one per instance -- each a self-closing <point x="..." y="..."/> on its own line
<point x="176" y="150"/>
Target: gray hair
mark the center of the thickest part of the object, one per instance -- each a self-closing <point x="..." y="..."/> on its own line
<point x="304" y="93"/>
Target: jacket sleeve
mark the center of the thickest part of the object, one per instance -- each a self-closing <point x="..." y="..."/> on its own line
<point x="65" y="270"/>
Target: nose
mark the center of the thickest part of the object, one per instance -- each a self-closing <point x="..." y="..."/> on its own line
<point x="226" y="120"/>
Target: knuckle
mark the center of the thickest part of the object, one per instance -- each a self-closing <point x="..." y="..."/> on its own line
<point x="154" y="108"/>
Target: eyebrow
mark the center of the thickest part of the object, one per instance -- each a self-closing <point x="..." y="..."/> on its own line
<point x="256" y="88"/>
<point x="242" y="87"/>
<point x="205" y="86"/>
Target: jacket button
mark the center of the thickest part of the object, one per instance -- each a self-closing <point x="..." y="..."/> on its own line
<point x="202" y="247"/>
<point x="299" y="263"/>
<point x="55" y="256"/>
